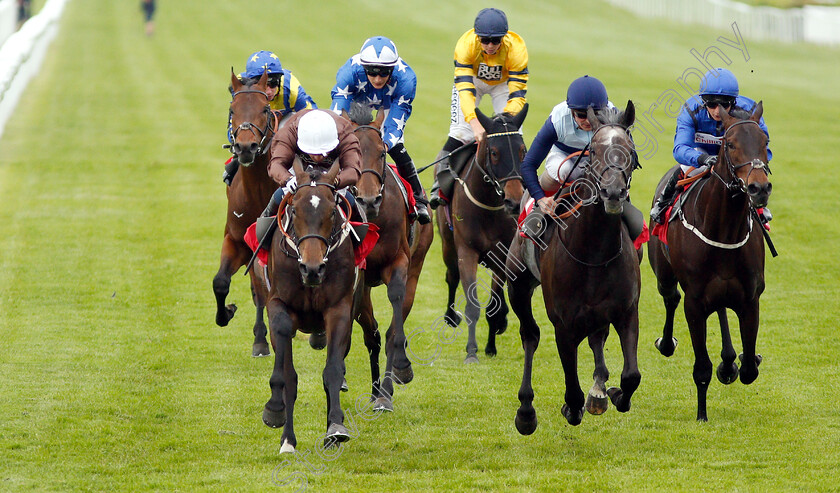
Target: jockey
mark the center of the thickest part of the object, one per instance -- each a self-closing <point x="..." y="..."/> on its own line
<point x="699" y="128"/>
<point x="489" y="60"/>
<point x="318" y="138"/>
<point x="285" y="94"/>
<point x="379" y="78"/>
<point x="566" y="131"/>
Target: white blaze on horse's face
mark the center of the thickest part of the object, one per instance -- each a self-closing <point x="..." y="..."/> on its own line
<point x="315" y="201"/>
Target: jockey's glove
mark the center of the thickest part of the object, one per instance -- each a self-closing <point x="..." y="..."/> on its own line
<point x="707" y="160"/>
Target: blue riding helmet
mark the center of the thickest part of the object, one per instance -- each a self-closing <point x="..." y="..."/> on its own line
<point x="585" y="92"/>
<point x="719" y="82"/>
<point x="379" y="50"/>
<point x="491" y="23"/>
<point x="259" y="62"/>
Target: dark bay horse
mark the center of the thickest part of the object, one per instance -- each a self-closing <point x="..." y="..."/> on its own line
<point x="393" y="261"/>
<point x="482" y="214"/>
<point x="590" y="278"/>
<point x="715" y="252"/>
<point x="311" y="273"/>
<point x="253" y="125"/>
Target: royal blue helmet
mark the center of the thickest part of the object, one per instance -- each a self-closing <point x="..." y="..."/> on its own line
<point x="585" y="92"/>
<point x="719" y="82"/>
<point x="379" y="50"/>
<point x="491" y="23"/>
<point x="259" y="62"/>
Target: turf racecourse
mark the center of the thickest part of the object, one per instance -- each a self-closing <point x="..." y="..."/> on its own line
<point x="113" y="375"/>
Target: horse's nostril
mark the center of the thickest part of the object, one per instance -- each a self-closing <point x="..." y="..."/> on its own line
<point x="753" y="189"/>
<point x="254" y="147"/>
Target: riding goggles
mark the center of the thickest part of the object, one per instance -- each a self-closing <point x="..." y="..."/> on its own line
<point x="714" y="103"/>
<point x="491" y="40"/>
<point x="273" y="80"/>
<point x="378" y="71"/>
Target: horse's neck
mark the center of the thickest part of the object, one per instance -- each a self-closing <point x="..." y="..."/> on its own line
<point x="483" y="191"/>
<point x="255" y="177"/>
<point x="722" y="214"/>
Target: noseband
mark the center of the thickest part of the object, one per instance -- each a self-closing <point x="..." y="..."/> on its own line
<point x="266" y="133"/>
<point x="737" y="184"/>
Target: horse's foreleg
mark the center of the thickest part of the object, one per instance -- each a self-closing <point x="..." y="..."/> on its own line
<point x="288" y="439"/>
<point x="338" y="320"/>
<point x="748" y="319"/>
<point x="415" y="266"/>
<point x="727" y="370"/>
<point x="666" y="283"/>
<point x="282" y="328"/>
<point x="520" y="294"/>
<point x="496" y="313"/>
<point x="231" y="260"/>
<point x="597" y="401"/>
<point x="567" y="348"/>
<point x="468" y="269"/>
<point x="628" y="333"/>
<point x="373" y="343"/>
<point x="453" y="278"/>
<point x="702" y="372"/>
<point x="397" y="363"/>
<point x="259" y="294"/>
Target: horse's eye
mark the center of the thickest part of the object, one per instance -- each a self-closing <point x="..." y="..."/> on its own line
<point x="383" y="155"/>
<point x="730" y="145"/>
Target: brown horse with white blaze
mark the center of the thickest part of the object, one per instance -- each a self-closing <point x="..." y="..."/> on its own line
<point x="715" y="252"/>
<point x="253" y="125"/>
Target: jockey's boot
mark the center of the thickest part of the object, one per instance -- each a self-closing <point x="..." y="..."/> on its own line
<point x="266" y="222"/>
<point x="409" y="172"/>
<point x="657" y="213"/>
<point x="443" y="171"/>
<point x="231" y="167"/>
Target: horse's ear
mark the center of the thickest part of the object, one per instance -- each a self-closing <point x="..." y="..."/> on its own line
<point x="235" y="83"/>
<point x="345" y="115"/>
<point x="263" y="79"/>
<point x="483" y="119"/>
<point x="297" y="168"/>
<point x="380" y="117"/>
<point x="726" y="118"/>
<point x="593" y="118"/>
<point x="629" y="114"/>
<point x="520" y="117"/>
<point x="329" y="177"/>
<point x="757" y="112"/>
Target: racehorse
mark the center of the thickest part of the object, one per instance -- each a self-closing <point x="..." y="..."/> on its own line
<point x="253" y="125"/>
<point x="393" y="261"/>
<point x="716" y="254"/>
<point x="590" y="277"/>
<point x="311" y="276"/>
<point x="478" y="225"/>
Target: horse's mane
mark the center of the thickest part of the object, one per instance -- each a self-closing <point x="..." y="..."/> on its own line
<point x="610" y="116"/>
<point x="360" y="113"/>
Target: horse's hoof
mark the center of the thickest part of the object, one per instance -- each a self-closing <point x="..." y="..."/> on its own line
<point x="597" y="404"/>
<point x="470" y="359"/>
<point x="501" y="330"/>
<point x="573" y="417"/>
<point x="403" y="376"/>
<point x="526" y="421"/>
<point x="727" y="375"/>
<point x="452" y="318"/>
<point x="383" y="404"/>
<point x="318" y="340"/>
<point x="274" y="419"/>
<point x="344" y="387"/>
<point x="666" y="350"/>
<point x="617" y="398"/>
<point x="260" y="349"/>
<point x="336" y="433"/>
<point x="287" y="448"/>
<point x="224" y="317"/>
<point x="490" y="351"/>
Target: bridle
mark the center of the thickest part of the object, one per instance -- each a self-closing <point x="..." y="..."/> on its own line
<point x="487" y="174"/>
<point x="736" y="184"/>
<point x="338" y="233"/>
<point x="264" y="134"/>
<point x="379" y="175"/>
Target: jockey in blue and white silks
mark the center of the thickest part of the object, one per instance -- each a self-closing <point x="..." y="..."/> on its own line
<point x="699" y="130"/>
<point x="379" y="78"/>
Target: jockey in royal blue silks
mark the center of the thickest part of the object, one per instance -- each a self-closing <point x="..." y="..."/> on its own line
<point x="285" y="94"/>
<point x="379" y="78"/>
<point x="699" y="131"/>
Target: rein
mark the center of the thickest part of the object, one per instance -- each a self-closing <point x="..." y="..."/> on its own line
<point x="266" y="133"/>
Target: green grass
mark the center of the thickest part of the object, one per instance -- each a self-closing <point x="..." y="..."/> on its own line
<point x="114" y="376"/>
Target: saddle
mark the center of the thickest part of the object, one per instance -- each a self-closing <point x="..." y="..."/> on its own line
<point x="685" y="187"/>
<point x="446" y="175"/>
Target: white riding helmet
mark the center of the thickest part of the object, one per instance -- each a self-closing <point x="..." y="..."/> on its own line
<point x="317" y="133"/>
